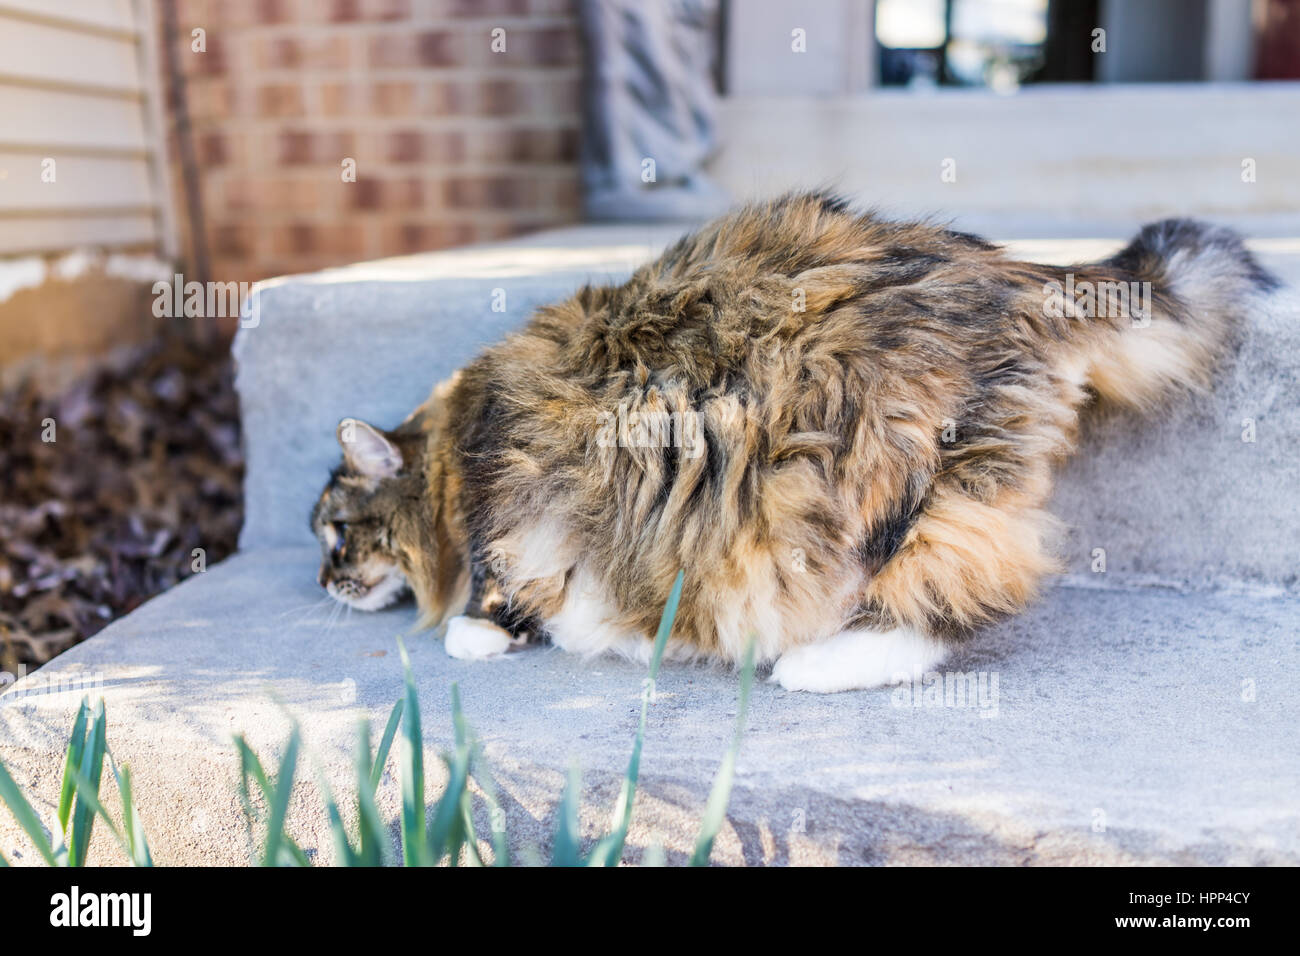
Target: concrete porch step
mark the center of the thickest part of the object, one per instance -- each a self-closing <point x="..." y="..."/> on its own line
<point x="1143" y="715"/>
<point x="1109" y="726"/>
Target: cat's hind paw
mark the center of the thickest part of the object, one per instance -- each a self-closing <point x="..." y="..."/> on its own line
<point x="855" y="660"/>
<point x="475" y="639"/>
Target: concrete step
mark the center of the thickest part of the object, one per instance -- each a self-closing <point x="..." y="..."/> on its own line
<point x="1112" y="726"/>
<point x="1141" y="715"/>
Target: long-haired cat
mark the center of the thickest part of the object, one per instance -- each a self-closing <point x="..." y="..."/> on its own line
<point x="842" y="428"/>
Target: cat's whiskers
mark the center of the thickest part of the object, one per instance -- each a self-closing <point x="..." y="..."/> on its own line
<point x="306" y="613"/>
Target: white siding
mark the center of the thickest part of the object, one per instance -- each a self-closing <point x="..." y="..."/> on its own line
<point x="79" y="94"/>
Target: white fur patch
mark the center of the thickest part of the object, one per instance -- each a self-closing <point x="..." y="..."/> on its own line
<point x="853" y="660"/>
<point x="538" y="551"/>
<point x="583" y="625"/>
<point x="474" y="639"/>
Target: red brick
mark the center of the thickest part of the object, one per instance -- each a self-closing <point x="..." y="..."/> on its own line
<point x="369" y="10"/>
<point x="552" y="95"/>
<point x="404" y="194"/>
<point x="501" y="229"/>
<point x="341" y="241"/>
<point x="337" y="99"/>
<point x="280" y="99"/>
<point x="386" y="9"/>
<point x="392" y="51"/>
<point x="212" y="148"/>
<point x="567" y="194"/>
<point x="210" y="99"/>
<point x="455" y="148"/>
<point x="279" y="53"/>
<point x="490" y="192"/>
<point x="396" y="194"/>
<point x="405" y="146"/>
<point x="292" y="53"/>
<point x="499" y="97"/>
<point x="299" y="147"/>
<point x="488" y="8"/>
<point x="397" y="98"/>
<point x="419" y="236"/>
<point x="233" y="241"/>
<point x="449" y="98"/>
<point x="551" y="8"/>
<point x="550" y="46"/>
<point x="211" y="62"/>
<point x="344" y="10"/>
<point x="237" y="195"/>
<point x="440" y="48"/>
<point x="446" y="146"/>
<point x="526" y="145"/>
<point x="365" y="194"/>
<point x="274" y="11"/>
<point x="311" y="194"/>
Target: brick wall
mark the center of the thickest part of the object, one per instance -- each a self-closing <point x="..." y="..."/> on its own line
<point x="453" y="143"/>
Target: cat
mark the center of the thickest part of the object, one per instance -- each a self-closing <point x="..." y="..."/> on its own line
<point x="842" y="428"/>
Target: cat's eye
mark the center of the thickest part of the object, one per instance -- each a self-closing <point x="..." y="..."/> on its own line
<point x="340" y="538"/>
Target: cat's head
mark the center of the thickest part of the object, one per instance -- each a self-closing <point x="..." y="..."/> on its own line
<point x="359" y="521"/>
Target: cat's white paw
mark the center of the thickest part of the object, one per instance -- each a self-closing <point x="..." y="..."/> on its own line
<point x="474" y="639"/>
<point x="855" y="660"/>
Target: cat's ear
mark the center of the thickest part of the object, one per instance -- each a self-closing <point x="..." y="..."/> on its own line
<point x="367" y="450"/>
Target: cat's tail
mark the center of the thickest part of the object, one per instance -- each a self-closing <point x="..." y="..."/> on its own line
<point x="1189" y="286"/>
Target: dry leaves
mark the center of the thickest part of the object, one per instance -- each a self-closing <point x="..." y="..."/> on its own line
<point x="145" y="467"/>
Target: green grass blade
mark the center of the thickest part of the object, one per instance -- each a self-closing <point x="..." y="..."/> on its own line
<point x="87" y="795"/>
<point x="472" y="855"/>
<point x="459" y="726"/>
<point x="342" y="845"/>
<point x="372" y="839"/>
<point x="609" y="850"/>
<point x="137" y="845"/>
<point x="385" y="744"/>
<point x="567" y="833"/>
<point x="411" y="764"/>
<point x="447" y="831"/>
<point x="497" y="818"/>
<point x="292" y="855"/>
<point x="3" y="862"/>
<point x="278" y="804"/>
<point x="251" y="766"/>
<point x="453" y="821"/>
<point x="715" y="810"/>
<point x="88" y="775"/>
<point x="25" y="815"/>
<point x="72" y="760"/>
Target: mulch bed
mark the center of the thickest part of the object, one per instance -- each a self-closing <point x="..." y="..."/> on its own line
<point x="145" y="466"/>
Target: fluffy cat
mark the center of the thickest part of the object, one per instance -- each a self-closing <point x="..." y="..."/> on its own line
<point x="842" y="428"/>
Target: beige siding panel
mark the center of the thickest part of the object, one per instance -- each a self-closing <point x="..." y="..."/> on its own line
<point x="41" y="53"/>
<point x="97" y="14"/>
<point x="59" y="234"/>
<point x="47" y="119"/>
<point x="80" y="182"/>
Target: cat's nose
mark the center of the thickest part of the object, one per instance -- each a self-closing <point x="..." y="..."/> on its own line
<point x="323" y="576"/>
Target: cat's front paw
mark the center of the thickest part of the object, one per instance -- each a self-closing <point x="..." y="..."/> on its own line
<point x="857" y="660"/>
<point x="475" y="639"/>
